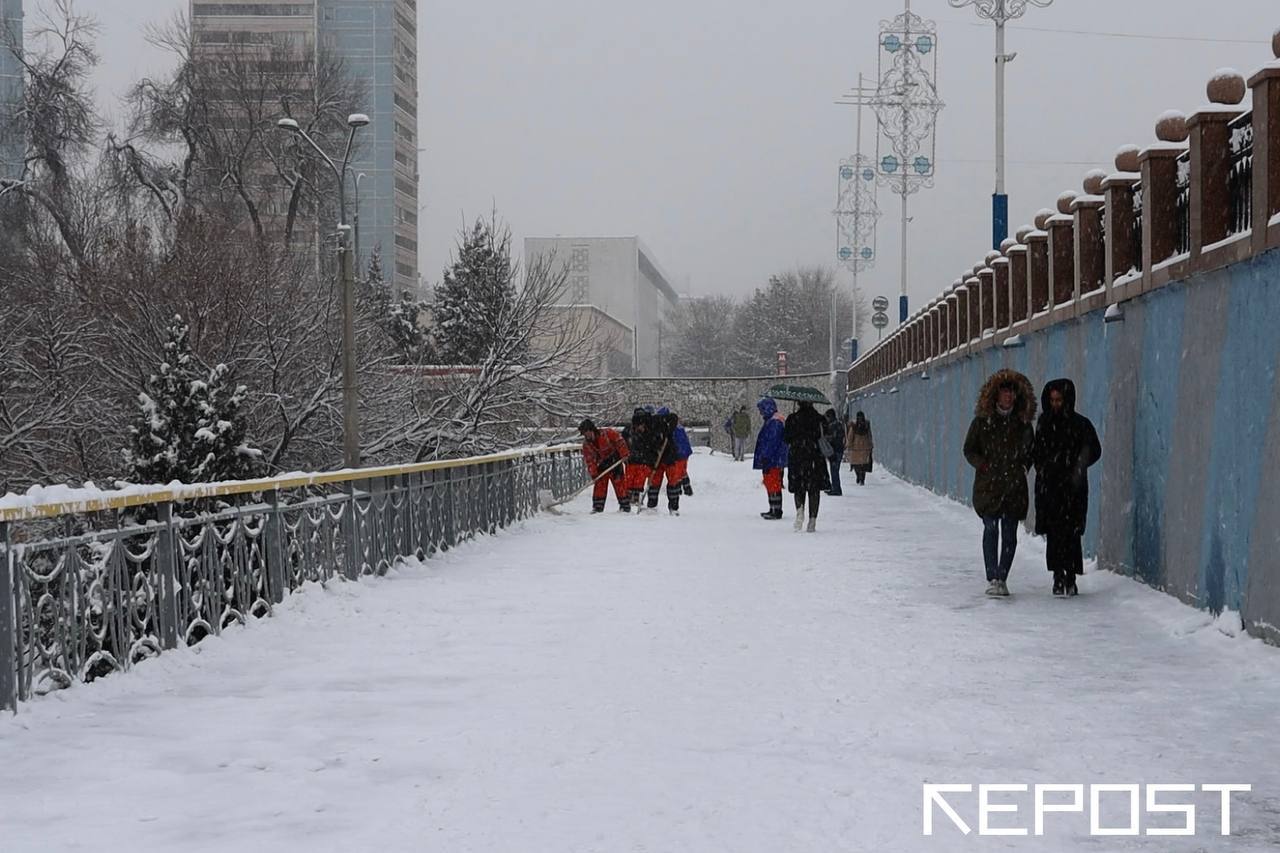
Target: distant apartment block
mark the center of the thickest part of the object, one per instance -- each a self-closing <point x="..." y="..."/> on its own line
<point x="11" y="135"/>
<point x="618" y="280"/>
<point x="376" y="40"/>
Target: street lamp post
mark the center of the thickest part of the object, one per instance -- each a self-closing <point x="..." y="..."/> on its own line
<point x="350" y="395"/>
<point x="356" y="222"/>
<point x="1000" y="12"/>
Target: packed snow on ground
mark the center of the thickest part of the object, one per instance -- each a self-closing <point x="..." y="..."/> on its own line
<point x="712" y="682"/>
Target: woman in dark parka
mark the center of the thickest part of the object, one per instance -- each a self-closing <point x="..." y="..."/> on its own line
<point x="1066" y="445"/>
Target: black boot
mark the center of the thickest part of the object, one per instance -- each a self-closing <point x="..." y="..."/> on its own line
<point x="1072" y="591"/>
<point x="1059" y="586"/>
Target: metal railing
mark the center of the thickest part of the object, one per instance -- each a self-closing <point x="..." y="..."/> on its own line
<point x="1138" y="202"/>
<point x="1183" y="244"/>
<point x="94" y="586"/>
<point x="1240" y="178"/>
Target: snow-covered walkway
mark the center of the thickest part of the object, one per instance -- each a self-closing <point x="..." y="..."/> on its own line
<point x="706" y="683"/>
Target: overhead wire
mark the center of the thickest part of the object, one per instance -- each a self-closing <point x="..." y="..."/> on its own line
<point x="1117" y="35"/>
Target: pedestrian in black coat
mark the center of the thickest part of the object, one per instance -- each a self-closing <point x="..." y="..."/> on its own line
<point x="835" y="436"/>
<point x="1065" y="446"/>
<point x="808" y="471"/>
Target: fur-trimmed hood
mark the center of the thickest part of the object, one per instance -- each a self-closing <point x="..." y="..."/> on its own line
<point x="1024" y="405"/>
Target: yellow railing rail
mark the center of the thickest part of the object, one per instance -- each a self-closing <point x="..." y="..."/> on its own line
<point x="140" y="496"/>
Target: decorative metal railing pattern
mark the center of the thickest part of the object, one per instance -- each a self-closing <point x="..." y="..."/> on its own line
<point x="1183" y="244"/>
<point x="95" y="588"/>
<point x="1240" y="178"/>
<point x="1138" y="202"/>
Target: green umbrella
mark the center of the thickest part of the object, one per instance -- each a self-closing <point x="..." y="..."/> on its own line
<point x="798" y="393"/>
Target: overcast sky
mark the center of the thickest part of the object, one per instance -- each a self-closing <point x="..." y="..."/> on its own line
<point x="708" y="127"/>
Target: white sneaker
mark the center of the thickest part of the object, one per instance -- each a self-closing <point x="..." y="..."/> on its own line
<point x="1003" y="591"/>
<point x="993" y="588"/>
<point x="813" y="526"/>
<point x="799" y="525"/>
<point x="673" y="511"/>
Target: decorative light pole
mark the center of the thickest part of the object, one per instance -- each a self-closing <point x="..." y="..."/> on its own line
<point x="350" y="395"/>
<point x="1001" y="12"/>
<point x="907" y="107"/>
<point x="857" y="212"/>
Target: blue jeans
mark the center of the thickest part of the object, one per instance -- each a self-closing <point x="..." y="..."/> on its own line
<point x="999" y="542"/>
<point x="835" y="476"/>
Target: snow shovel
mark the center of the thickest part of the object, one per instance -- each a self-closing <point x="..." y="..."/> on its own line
<point x="547" y="500"/>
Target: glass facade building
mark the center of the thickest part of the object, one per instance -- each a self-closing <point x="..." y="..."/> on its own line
<point x="11" y="136"/>
<point x="376" y="41"/>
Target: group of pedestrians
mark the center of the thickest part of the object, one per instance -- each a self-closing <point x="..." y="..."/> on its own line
<point x="637" y="461"/>
<point x="1003" y="443"/>
<point x="810" y="448"/>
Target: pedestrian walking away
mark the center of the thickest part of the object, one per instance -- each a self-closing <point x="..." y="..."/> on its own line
<point x="739" y="424"/>
<point x="998" y="446"/>
<point x="808" y="469"/>
<point x="835" y="438"/>
<point x="605" y="454"/>
<point x="1065" y="447"/>
<point x="861" y="445"/>
<point x="771" y="455"/>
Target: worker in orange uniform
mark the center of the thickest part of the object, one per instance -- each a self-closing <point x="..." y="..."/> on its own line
<point x="605" y="453"/>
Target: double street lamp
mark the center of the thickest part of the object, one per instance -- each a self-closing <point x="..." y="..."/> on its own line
<point x="1000" y="12"/>
<point x="350" y="395"/>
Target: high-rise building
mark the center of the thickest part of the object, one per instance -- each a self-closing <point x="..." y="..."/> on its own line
<point x="376" y="43"/>
<point x="11" y="136"/>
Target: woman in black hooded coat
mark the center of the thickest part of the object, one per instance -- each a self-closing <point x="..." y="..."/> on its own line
<point x="1065" y="446"/>
<point x="808" y="471"/>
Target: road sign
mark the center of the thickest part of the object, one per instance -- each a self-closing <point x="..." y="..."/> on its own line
<point x="880" y="319"/>
<point x="880" y="303"/>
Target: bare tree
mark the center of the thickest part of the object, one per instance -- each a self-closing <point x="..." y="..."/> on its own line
<point x="702" y="342"/>
<point x="534" y="373"/>
<point x="219" y="109"/>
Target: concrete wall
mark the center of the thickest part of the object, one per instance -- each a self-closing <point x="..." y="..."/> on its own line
<point x="1183" y="393"/>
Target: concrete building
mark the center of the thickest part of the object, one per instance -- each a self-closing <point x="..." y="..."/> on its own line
<point x="618" y="279"/>
<point x="376" y="40"/>
<point x="11" y="136"/>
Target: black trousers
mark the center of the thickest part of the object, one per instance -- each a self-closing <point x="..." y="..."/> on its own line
<point x="815" y="499"/>
<point x="1064" y="553"/>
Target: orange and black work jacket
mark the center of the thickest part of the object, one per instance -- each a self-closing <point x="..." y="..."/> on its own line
<point x="608" y="448"/>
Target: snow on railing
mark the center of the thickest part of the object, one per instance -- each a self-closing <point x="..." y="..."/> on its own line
<point x="94" y="581"/>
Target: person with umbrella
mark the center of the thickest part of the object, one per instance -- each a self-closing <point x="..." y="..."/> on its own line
<point x="808" y="468"/>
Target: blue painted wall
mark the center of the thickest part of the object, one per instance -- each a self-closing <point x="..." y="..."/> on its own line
<point x="1184" y="395"/>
